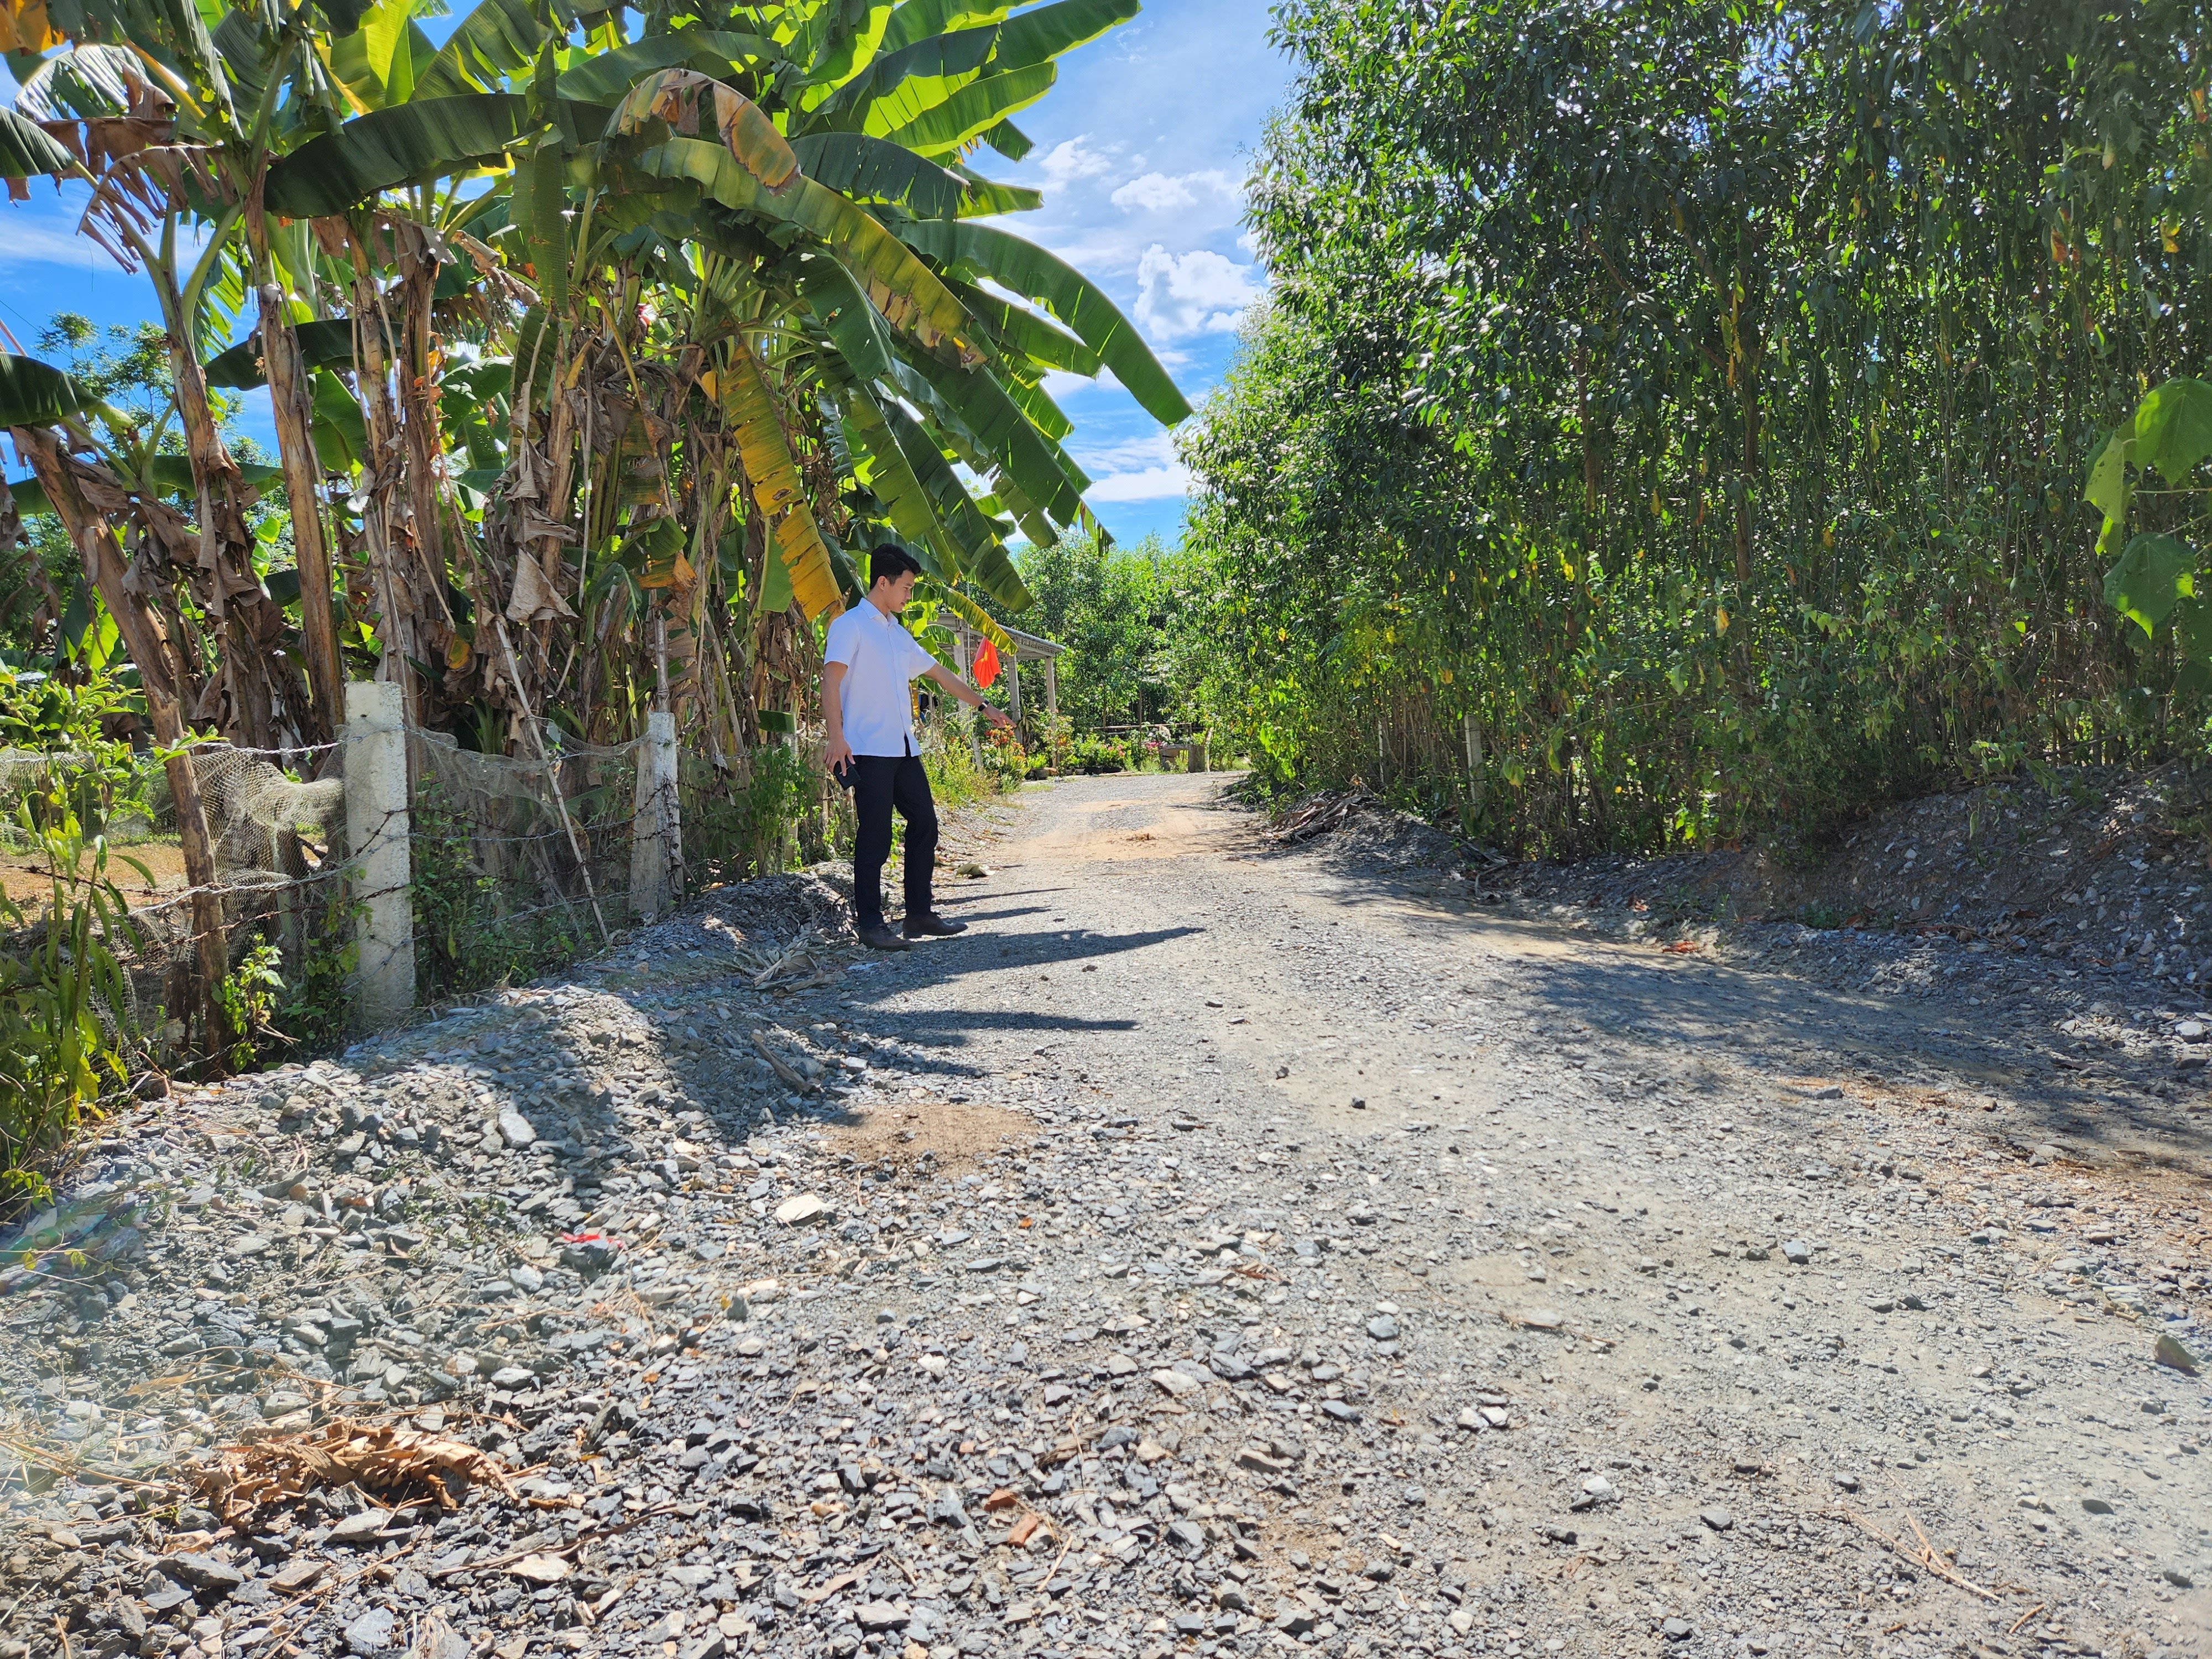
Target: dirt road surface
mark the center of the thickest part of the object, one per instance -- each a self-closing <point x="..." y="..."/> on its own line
<point x="1219" y="1250"/>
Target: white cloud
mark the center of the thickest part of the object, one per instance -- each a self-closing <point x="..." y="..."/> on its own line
<point x="1154" y="484"/>
<point x="1059" y="385"/>
<point x="1065" y="163"/>
<point x="1158" y="192"/>
<point x="53" y="245"/>
<point x="1197" y="293"/>
<point x="1142" y="468"/>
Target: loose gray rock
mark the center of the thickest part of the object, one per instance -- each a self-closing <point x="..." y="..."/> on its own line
<point x="372" y="1634"/>
<point x="207" y="1573"/>
<point x="365" y="1526"/>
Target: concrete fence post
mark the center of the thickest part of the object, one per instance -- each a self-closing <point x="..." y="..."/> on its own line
<point x="656" y="857"/>
<point x="377" y="829"/>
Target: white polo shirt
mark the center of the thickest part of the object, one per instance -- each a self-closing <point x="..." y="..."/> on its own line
<point x="880" y="659"/>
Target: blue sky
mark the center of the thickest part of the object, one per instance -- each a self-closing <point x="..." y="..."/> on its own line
<point x="1141" y="152"/>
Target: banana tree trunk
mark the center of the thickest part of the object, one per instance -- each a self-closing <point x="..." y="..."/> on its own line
<point x="162" y="681"/>
<point x="418" y="404"/>
<point x="289" y="396"/>
<point x="251" y="624"/>
<point x="383" y="465"/>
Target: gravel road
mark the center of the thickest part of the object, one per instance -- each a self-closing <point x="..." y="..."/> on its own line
<point x="1220" y="1250"/>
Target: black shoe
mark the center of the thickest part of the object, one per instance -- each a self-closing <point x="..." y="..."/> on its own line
<point x="925" y="926"/>
<point x="877" y="936"/>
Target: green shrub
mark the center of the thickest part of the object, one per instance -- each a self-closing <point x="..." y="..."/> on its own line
<point x="66" y="1032"/>
<point x="474" y="928"/>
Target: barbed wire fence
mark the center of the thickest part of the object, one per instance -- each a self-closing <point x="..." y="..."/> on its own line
<point x="395" y="868"/>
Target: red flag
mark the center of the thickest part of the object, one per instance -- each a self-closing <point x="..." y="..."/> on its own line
<point x="987" y="664"/>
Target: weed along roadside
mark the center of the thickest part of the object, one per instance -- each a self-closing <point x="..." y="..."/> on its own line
<point x="1044" y="1288"/>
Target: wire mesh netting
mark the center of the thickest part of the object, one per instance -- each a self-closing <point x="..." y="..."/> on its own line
<point x="516" y="865"/>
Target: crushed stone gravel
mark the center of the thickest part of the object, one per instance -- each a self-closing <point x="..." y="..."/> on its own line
<point x="1222" y="1248"/>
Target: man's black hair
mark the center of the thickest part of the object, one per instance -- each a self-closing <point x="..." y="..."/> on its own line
<point x="890" y="561"/>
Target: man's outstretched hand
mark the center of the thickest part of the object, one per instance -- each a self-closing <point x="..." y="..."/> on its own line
<point x="838" y="756"/>
<point x="995" y="716"/>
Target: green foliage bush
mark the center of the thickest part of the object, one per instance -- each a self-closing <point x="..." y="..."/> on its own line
<point x="66" y="1029"/>
<point x="731" y="834"/>
<point x="1671" y="419"/>
<point x="470" y="929"/>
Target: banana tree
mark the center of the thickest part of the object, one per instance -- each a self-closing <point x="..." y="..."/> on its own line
<point x="170" y="156"/>
<point x="801" y="169"/>
<point x="36" y="400"/>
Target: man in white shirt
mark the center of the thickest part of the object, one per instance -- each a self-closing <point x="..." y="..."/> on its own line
<point x="866" y="666"/>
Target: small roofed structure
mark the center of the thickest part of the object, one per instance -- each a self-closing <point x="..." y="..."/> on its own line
<point x="1028" y="647"/>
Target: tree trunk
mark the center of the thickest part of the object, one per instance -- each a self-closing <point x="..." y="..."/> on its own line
<point x="384" y="464"/>
<point x="418" y="401"/>
<point x="289" y="396"/>
<point x="1748" y="390"/>
<point x="250" y="623"/>
<point x="161" y="679"/>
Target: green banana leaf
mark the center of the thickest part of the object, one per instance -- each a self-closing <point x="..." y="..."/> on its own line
<point x="537" y="200"/>
<point x="911" y="296"/>
<point x="495" y="39"/>
<point x="33" y="393"/>
<point x="849" y="37"/>
<point x="26" y="152"/>
<point x="322" y="345"/>
<point x="245" y="44"/>
<point x="1039" y="35"/>
<point x="862" y="338"/>
<point x="1027" y="269"/>
<point x="985" y="561"/>
<point x="428" y="138"/>
<point x="1046" y="416"/>
<point x="899" y="86"/>
<point x="1004" y="433"/>
<point x="917" y="20"/>
<point x="985" y="196"/>
<point x="1010" y="141"/>
<point x="83" y="83"/>
<point x="973" y="110"/>
<point x="880" y="170"/>
<point x="172" y="475"/>
<point x="1017" y="330"/>
<point x="605" y="78"/>
<point x="881" y="466"/>
<point x="379" y="62"/>
<point x="335" y="427"/>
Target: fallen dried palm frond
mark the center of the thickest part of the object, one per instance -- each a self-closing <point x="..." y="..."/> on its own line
<point x="383" y="1458"/>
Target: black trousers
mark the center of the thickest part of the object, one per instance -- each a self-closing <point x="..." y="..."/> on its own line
<point x="879" y="783"/>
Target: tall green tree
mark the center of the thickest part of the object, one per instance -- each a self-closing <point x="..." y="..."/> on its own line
<point x="1668" y="419"/>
